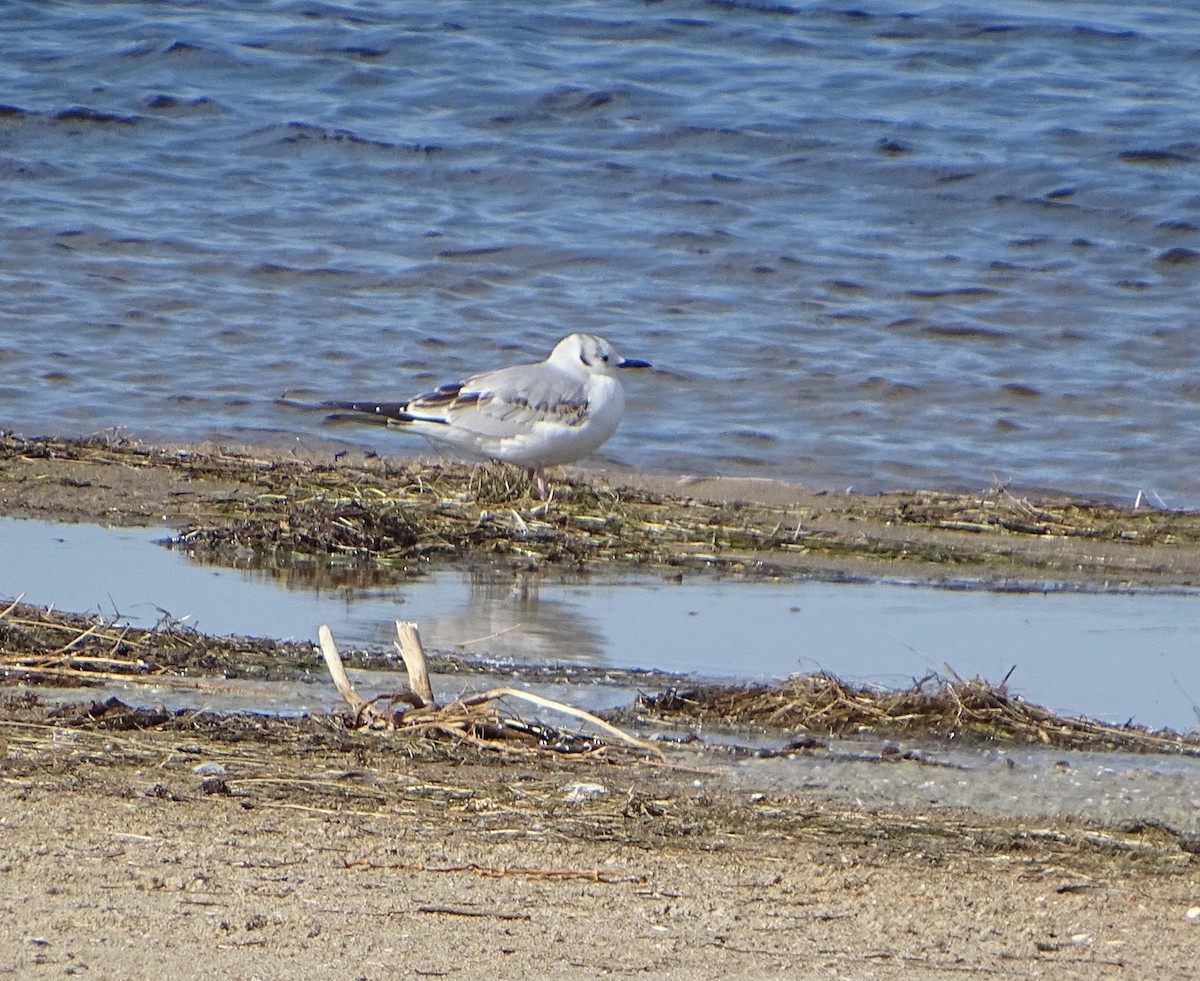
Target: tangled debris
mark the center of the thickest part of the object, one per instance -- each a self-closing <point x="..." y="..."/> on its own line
<point x="51" y="647"/>
<point x="955" y="708"/>
<point x="56" y="647"/>
<point x="997" y="510"/>
<point x="469" y="718"/>
<point x="277" y="508"/>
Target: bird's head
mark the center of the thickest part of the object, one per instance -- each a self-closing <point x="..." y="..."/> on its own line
<point x="594" y="353"/>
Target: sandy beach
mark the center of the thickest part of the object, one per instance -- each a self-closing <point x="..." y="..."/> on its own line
<point x="870" y="602"/>
<point x="143" y="843"/>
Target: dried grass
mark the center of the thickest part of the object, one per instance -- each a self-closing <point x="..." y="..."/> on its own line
<point x="391" y="513"/>
<point x="55" y="647"/>
<point x="998" y="510"/>
<point x="955" y="708"/>
<point x="48" y="647"/>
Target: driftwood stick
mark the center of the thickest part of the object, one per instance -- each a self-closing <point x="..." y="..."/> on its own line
<point x="413" y="654"/>
<point x="72" y="643"/>
<point x="549" y="703"/>
<point x="12" y="606"/>
<point x="337" y="671"/>
<point x="456" y="718"/>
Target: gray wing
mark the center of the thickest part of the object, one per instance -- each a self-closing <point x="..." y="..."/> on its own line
<point x="508" y="402"/>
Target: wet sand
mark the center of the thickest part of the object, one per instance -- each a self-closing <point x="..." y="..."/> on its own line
<point x="141" y="844"/>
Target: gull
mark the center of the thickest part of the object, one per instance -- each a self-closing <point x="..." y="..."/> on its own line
<point x="533" y="415"/>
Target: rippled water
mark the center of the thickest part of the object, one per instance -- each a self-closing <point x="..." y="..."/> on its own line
<point x="872" y="245"/>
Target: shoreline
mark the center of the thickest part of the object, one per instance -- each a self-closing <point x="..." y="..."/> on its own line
<point x="135" y="843"/>
<point x="396" y="510"/>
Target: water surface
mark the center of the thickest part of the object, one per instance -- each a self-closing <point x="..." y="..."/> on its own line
<point x="882" y="245"/>
<point x="1116" y="657"/>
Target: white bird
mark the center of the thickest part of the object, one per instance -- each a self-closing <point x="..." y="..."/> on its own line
<point x="534" y="415"/>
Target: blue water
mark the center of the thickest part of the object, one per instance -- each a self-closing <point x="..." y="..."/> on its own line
<point x="868" y="245"/>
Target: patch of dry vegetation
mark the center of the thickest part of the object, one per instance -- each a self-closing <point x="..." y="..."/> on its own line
<point x="52" y="647"/>
<point x="392" y="514"/>
<point x="998" y="511"/>
<point x="955" y="709"/>
<point x="56" y="647"/>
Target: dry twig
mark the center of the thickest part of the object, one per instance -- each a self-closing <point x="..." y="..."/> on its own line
<point x="470" y="718"/>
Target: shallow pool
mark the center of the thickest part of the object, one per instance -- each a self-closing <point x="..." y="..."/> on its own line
<point x="1112" y="656"/>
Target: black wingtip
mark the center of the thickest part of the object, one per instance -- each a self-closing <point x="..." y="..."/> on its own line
<point x="393" y="411"/>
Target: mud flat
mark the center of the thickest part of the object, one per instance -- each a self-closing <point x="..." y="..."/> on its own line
<point x="398" y="512"/>
<point x="143" y="840"/>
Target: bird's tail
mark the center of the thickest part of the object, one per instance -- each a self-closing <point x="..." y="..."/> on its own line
<point x="386" y="412"/>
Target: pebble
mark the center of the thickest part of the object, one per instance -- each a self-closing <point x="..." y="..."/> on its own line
<point x="577" y="792"/>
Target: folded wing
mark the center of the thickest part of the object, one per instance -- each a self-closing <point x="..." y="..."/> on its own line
<point x="503" y="404"/>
